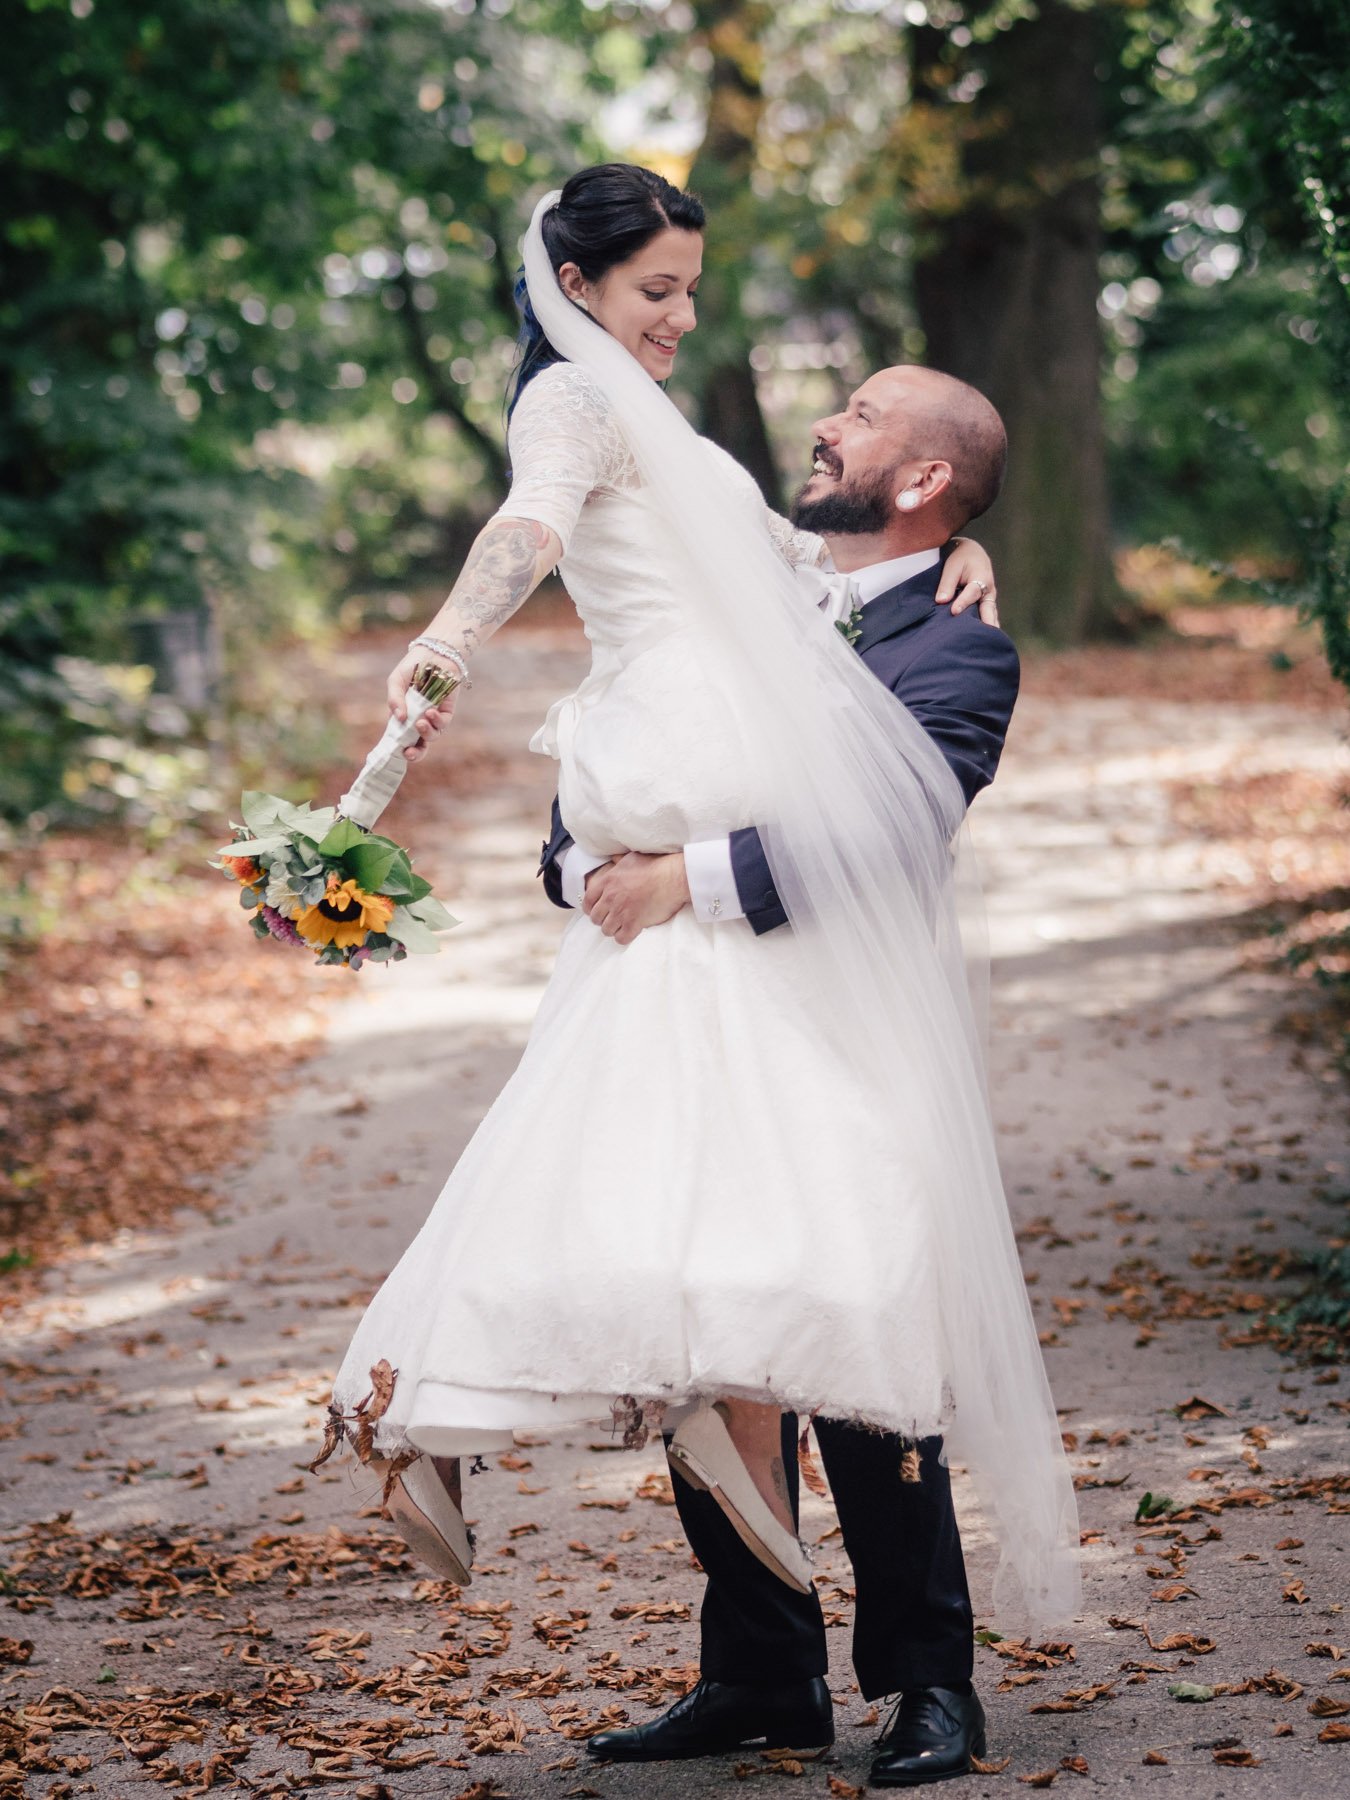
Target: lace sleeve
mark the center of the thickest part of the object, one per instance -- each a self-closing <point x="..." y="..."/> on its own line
<point x="800" y="549"/>
<point x="564" y="446"/>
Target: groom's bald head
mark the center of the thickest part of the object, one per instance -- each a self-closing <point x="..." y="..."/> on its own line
<point x="936" y="418"/>
<point x="914" y="455"/>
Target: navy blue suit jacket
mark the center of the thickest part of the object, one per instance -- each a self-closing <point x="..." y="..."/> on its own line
<point x="957" y="676"/>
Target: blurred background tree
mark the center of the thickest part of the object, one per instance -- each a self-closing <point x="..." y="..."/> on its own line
<point x="256" y="313"/>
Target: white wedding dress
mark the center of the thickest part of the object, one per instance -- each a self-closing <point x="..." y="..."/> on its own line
<point x="684" y="1190"/>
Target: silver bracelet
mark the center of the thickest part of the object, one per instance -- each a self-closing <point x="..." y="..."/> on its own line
<point x="439" y="647"/>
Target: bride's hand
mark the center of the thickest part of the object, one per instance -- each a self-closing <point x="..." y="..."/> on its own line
<point x="400" y="680"/>
<point x="968" y="580"/>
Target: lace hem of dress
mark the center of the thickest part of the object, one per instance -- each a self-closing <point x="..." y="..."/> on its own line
<point x="633" y="1418"/>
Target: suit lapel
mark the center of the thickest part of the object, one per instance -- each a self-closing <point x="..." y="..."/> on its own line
<point x="898" y="608"/>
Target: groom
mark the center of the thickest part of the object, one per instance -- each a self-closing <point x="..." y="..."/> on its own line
<point x="911" y="460"/>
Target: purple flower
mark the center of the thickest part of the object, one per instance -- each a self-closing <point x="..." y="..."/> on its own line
<point x="356" y="958"/>
<point x="280" y="926"/>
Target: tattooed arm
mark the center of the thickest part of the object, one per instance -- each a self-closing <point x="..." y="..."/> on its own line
<point x="509" y="558"/>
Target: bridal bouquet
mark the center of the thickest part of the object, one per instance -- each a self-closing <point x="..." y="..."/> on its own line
<point x="322" y="878"/>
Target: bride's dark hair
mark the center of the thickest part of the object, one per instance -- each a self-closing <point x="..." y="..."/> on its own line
<point x="605" y="215"/>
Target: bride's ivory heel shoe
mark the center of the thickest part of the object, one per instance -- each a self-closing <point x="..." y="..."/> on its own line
<point x="430" y="1523"/>
<point x="702" y="1452"/>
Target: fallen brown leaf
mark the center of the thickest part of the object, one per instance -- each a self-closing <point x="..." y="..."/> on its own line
<point x="1197" y="1407"/>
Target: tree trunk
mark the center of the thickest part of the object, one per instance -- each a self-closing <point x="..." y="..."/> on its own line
<point x="1007" y="291"/>
<point x="728" y="403"/>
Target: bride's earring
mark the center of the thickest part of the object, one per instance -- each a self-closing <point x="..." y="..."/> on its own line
<point x="908" y="500"/>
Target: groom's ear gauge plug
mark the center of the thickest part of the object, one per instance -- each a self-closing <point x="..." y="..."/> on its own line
<point x="908" y="500"/>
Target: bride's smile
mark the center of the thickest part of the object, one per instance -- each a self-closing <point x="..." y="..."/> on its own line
<point x="647" y="302"/>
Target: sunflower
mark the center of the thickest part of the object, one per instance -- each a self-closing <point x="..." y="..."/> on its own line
<point x="344" y="916"/>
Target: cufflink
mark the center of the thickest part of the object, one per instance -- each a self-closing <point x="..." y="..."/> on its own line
<point x="714" y="908"/>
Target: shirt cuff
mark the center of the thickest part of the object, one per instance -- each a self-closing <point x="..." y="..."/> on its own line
<point x="574" y="865"/>
<point x="712" y="885"/>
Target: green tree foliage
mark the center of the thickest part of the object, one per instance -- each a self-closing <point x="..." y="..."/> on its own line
<point x="228" y="223"/>
<point x="1289" y="63"/>
<point x="1223" y="301"/>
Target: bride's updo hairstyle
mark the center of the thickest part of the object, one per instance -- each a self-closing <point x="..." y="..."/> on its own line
<point x="606" y="214"/>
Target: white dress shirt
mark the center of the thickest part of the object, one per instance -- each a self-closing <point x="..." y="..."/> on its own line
<point x="707" y="863"/>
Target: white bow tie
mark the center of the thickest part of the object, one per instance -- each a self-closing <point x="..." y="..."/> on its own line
<point x="836" y="595"/>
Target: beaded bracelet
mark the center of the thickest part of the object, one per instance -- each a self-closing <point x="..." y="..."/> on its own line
<point x="439" y="647"/>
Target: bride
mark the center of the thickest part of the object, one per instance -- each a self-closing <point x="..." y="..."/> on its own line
<point x="731" y="1176"/>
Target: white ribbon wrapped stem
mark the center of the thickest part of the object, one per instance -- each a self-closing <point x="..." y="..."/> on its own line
<point x="385" y="767"/>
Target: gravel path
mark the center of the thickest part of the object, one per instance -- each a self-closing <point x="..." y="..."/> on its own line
<point x="205" y="1617"/>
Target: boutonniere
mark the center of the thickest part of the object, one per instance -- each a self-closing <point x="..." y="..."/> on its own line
<point x="851" y="627"/>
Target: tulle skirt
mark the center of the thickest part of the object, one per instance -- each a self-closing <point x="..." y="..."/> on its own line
<point x="683" y="1191"/>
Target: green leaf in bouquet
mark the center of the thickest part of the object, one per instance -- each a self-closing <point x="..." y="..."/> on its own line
<point x="262" y="813"/>
<point x="383" y="843"/>
<point x="307" y="848"/>
<point x="343" y="837"/>
<point x="315" y="822"/>
<point x="418" y="886"/>
<point x="370" y="864"/>
<point x="432" y="914"/>
<point x="411" y="932"/>
<point x="397" y="878"/>
<point x="248" y="899"/>
<point x="258" y="846"/>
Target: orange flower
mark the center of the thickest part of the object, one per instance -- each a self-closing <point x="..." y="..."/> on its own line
<point x="344" y="916"/>
<point x="244" y="868"/>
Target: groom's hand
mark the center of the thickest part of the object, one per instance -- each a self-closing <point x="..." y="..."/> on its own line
<point x="634" y="891"/>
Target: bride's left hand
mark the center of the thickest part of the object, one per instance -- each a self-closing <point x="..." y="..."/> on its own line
<point x="968" y="580"/>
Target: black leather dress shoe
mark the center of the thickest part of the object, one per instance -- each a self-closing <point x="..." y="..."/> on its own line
<point x="716" y="1717"/>
<point x="932" y="1737"/>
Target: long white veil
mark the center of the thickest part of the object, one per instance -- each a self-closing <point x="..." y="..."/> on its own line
<point x="859" y="815"/>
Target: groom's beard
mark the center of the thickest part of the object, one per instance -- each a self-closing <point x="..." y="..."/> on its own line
<point x="863" y="507"/>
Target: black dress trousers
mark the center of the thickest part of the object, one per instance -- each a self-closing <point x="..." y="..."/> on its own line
<point x="913" y="1625"/>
